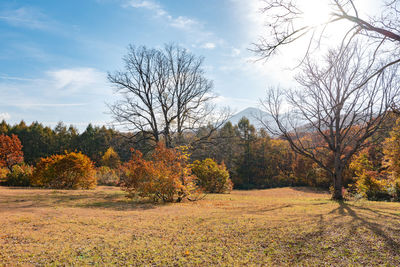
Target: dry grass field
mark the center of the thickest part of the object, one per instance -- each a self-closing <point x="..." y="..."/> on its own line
<point x="286" y="226"/>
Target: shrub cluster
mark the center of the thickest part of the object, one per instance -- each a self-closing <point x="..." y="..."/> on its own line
<point x="165" y="177"/>
<point x="67" y="171"/>
<point x="3" y="174"/>
<point x="374" y="181"/>
<point x="20" y="175"/>
<point x="212" y="177"/>
<point x="107" y="176"/>
<point x="369" y="185"/>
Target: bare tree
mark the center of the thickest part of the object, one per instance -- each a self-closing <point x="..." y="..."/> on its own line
<point x="335" y="110"/>
<point x="286" y="25"/>
<point x="190" y="89"/>
<point x="164" y="93"/>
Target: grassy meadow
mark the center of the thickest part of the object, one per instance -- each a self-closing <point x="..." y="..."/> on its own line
<point x="287" y="226"/>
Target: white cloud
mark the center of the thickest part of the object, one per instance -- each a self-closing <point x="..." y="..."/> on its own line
<point x="13" y="78"/>
<point x="180" y="22"/>
<point x="209" y="45"/>
<point x="60" y="88"/>
<point x="25" y="17"/>
<point x="76" y="79"/>
<point x="75" y="95"/>
<point x="5" y="116"/>
<point x="145" y="4"/>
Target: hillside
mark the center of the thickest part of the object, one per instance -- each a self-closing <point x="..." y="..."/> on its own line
<point x="253" y="115"/>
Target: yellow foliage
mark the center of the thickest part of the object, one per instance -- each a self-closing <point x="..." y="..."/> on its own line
<point x="111" y="159"/>
<point x="67" y="171"/>
<point x="392" y="152"/>
<point x="3" y="173"/>
<point x="212" y="177"/>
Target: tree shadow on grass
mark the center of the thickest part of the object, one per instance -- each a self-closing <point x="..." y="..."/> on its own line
<point x="74" y="199"/>
<point x="373" y="226"/>
<point x="347" y="209"/>
<point x="121" y="205"/>
<point x="379" y="213"/>
<point x="248" y="210"/>
<point x="344" y="234"/>
<point x="312" y="190"/>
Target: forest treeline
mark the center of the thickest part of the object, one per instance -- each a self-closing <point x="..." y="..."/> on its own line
<point x="40" y="141"/>
<point x="253" y="159"/>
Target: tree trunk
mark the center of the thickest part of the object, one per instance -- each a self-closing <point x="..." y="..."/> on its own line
<point x="167" y="137"/>
<point x="337" y="185"/>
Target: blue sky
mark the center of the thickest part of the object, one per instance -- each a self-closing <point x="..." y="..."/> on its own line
<point x="55" y="54"/>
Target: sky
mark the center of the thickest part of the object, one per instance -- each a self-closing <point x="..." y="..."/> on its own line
<point x="55" y="55"/>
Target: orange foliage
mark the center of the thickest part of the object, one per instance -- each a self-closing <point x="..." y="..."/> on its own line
<point x="67" y="171"/>
<point x="10" y="151"/>
<point x="164" y="178"/>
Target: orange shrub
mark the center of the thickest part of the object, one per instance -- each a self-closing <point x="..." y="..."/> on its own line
<point x="165" y="177"/>
<point x="67" y="171"/>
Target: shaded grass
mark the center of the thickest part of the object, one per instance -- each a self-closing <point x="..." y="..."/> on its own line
<point x="288" y="226"/>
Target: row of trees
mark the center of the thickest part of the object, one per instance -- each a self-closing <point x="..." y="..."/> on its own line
<point x="250" y="158"/>
<point x="253" y="159"/>
<point x="40" y="141"/>
<point x="256" y="160"/>
<point x="164" y="175"/>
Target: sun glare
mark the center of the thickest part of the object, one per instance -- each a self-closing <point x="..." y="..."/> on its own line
<point x="315" y="12"/>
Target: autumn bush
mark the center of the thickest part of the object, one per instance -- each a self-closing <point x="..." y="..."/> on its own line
<point x="212" y="177"/>
<point x="164" y="177"/>
<point x="10" y="151"/>
<point x="3" y="175"/>
<point x="371" y="182"/>
<point x="67" y="171"/>
<point x="373" y="187"/>
<point x="20" y="175"/>
<point x="107" y="176"/>
<point x="110" y="159"/>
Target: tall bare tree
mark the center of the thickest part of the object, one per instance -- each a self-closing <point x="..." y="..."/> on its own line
<point x="286" y="25"/>
<point x="164" y="93"/>
<point x="336" y="109"/>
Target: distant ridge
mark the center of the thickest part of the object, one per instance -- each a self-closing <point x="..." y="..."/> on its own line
<point x="253" y="115"/>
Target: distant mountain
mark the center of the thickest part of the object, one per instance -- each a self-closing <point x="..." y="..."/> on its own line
<point x="254" y="115"/>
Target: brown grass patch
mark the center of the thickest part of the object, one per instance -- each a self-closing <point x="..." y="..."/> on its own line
<point x="287" y="226"/>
